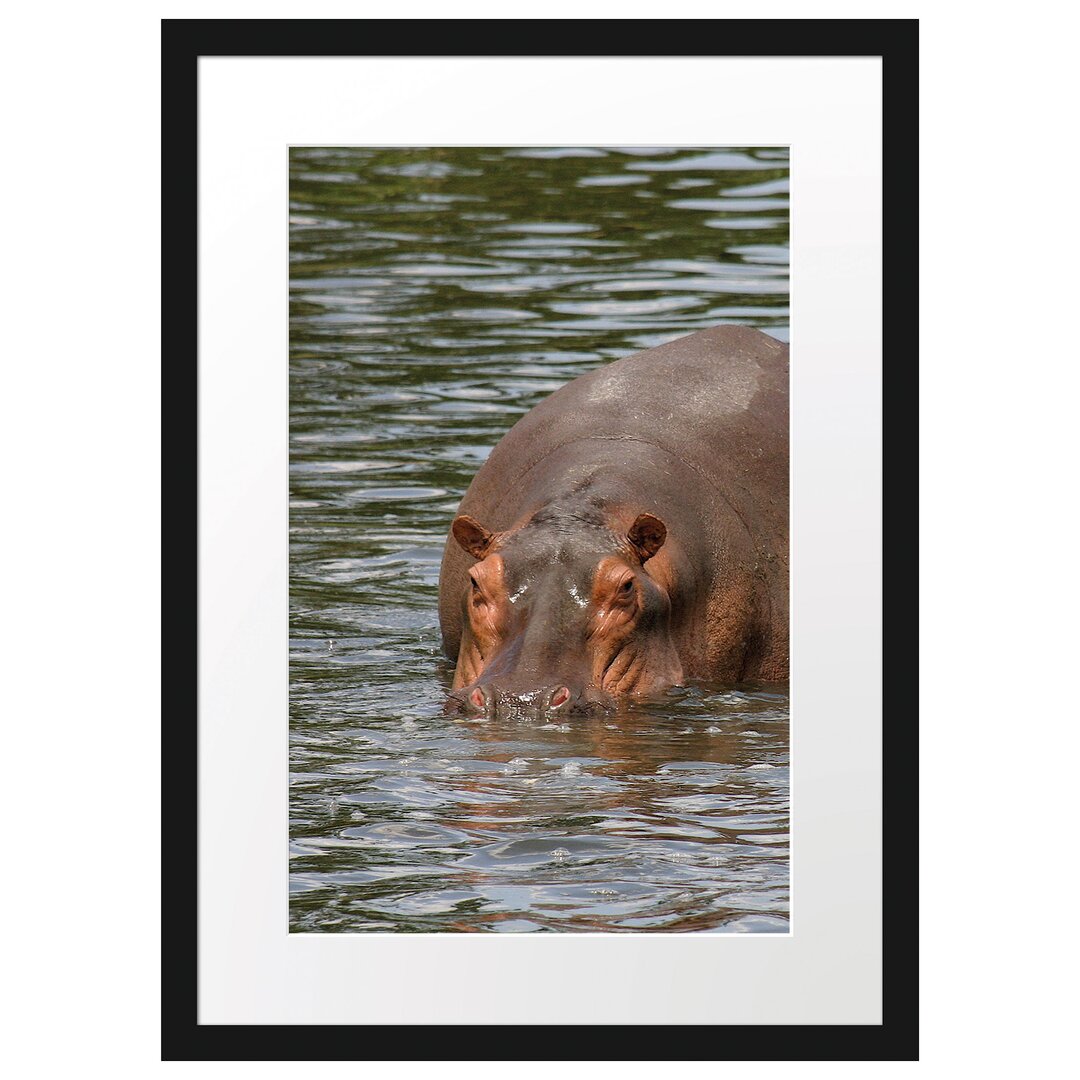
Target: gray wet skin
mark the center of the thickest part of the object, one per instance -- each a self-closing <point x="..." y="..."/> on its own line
<point x="689" y="438"/>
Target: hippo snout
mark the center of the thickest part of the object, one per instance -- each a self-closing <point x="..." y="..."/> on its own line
<point x="487" y="699"/>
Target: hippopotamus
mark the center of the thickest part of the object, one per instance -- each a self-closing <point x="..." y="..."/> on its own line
<point x="627" y="535"/>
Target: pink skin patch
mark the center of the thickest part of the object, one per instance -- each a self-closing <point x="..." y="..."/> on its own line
<point x="560" y="697"/>
<point x="477" y="698"/>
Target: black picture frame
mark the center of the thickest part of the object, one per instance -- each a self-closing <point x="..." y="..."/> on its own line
<point x="183" y="42"/>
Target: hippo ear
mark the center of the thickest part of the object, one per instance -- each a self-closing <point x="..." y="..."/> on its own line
<point x="472" y="536"/>
<point x="647" y="535"/>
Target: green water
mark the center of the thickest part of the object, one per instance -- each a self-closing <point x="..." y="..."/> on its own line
<point x="435" y="296"/>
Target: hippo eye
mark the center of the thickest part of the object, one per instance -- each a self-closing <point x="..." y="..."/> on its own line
<point x="626" y="586"/>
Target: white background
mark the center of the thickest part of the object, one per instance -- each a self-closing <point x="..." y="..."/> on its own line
<point x="998" y="574"/>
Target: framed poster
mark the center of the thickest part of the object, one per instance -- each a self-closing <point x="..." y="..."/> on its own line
<point x="381" y="262"/>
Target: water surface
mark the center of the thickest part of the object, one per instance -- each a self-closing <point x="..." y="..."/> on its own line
<point x="435" y="296"/>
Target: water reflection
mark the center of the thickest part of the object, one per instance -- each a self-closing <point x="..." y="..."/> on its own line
<point x="436" y="295"/>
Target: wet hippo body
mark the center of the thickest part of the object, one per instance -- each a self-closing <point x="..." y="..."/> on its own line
<point x="628" y="534"/>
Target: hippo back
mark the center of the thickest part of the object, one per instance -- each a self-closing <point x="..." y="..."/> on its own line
<point x="717" y="400"/>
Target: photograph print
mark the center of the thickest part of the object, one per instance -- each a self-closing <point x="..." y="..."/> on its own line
<point x="538" y="569"/>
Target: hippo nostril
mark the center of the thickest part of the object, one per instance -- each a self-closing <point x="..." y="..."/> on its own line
<point x="478" y="698"/>
<point x="560" y="697"/>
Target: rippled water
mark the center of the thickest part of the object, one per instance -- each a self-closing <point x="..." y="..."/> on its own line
<point x="435" y="296"/>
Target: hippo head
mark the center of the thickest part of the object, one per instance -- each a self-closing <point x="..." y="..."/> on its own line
<point x="561" y="616"/>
